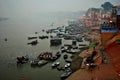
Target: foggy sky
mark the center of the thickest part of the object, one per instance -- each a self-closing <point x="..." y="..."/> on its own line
<point x="27" y="7"/>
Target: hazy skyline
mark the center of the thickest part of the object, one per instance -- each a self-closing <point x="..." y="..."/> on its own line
<point x="25" y="7"/>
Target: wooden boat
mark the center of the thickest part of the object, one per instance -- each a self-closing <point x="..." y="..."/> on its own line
<point x="45" y="55"/>
<point x="22" y="59"/>
<point x="65" y="75"/>
<point x="56" y="64"/>
<point x="34" y="62"/>
<point x="33" y="42"/>
<point x="42" y="62"/>
<point x="43" y="37"/>
<point x="55" y="42"/>
<point x="32" y="38"/>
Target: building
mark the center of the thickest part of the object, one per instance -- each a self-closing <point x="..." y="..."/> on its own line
<point x="93" y="17"/>
<point x="110" y="37"/>
<point x="115" y="16"/>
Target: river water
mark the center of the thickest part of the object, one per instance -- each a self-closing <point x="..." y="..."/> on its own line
<point x="16" y="30"/>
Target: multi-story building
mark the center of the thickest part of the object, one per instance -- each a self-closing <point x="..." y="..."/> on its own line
<point x="93" y="17"/>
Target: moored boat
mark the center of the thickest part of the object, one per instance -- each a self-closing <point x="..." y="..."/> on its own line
<point x="56" y="64"/>
<point x="60" y="68"/>
<point x="53" y="58"/>
<point x="68" y="60"/>
<point x="33" y="42"/>
<point x="45" y="55"/>
<point x="58" y="54"/>
<point x="42" y="62"/>
<point x="67" y="65"/>
<point x="43" y="37"/>
<point x="55" y="42"/>
<point x="65" y="56"/>
<point x="29" y="38"/>
<point x="65" y="74"/>
<point x="22" y="59"/>
<point x="34" y="62"/>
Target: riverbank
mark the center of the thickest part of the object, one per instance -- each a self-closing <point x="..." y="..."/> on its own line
<point x="76" y="61"/>
<point x="82" y="72"/>
<point x="105" y="68"/>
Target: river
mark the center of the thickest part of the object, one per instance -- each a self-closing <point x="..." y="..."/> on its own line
<point x="16" y="30"/>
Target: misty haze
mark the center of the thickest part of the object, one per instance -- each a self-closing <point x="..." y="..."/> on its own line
<point x="59" y="39"/>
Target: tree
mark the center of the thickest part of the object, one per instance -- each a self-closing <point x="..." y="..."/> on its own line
<point x="107" y="6"/>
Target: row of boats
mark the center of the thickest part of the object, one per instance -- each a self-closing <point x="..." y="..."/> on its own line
<point x="56" y="65"/>
<point x="40" y="37"/>
<point x="40" y="62"/>
<point x="66" y="69"/>
<point x="46" y="57"/>
<point x="43" y="57"/>
<point x="37" y="62"/>
<point x="53" y="41"/>
<point x="56" y="40"/>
